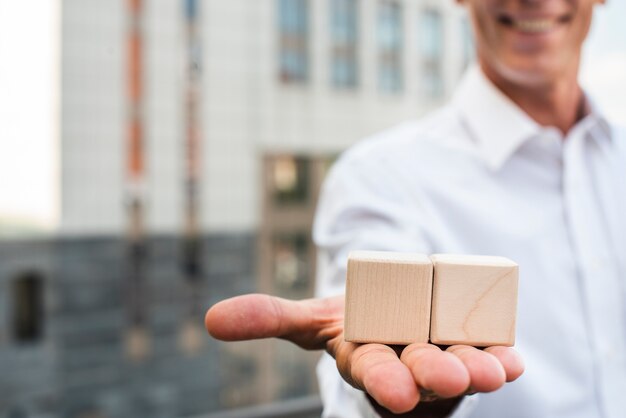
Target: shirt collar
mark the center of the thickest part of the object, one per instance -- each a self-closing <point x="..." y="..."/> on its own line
<point x="497" y="124"/>
<point x="500" y="127"/>
<point x="598" y="120"/>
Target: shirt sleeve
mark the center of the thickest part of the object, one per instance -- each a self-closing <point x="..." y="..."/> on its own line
<point x="364" y="205"/>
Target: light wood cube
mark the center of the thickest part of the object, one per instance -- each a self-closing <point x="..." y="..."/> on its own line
<point x="474" y="300"/>
<point x="388" y="297"/>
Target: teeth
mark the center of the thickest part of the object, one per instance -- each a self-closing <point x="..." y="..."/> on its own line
<point x="534" y="25"/>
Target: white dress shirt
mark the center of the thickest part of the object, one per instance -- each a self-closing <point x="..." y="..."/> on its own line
<point x="481" y="177"/>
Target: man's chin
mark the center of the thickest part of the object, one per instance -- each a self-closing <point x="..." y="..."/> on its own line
<point x="541" y="71"/>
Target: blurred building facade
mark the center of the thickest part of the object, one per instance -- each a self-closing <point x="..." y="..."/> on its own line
<point x="194" y="139"/>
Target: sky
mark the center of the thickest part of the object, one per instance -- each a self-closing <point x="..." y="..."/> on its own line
<point x="29" y="100"/>
<point x="29" y="112"/>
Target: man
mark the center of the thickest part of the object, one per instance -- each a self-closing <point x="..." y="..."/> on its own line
<point x="520" y="164"/>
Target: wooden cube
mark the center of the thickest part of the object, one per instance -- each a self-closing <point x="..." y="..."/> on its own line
<point x="388" y="297"/>
<point x="474" y="300"/>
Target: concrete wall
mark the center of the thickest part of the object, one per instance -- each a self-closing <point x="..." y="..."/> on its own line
<point x="80" y="367"/>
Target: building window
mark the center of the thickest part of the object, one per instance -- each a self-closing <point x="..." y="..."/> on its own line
<point x="290" y="180"/>
<point x="191" y="9"/>
<point x="291" y="263"/>
<point x="191" y="257"/>
<point x="390" y="46"/>
<point x="467" y="42"/>
<point x="431" y="52"/>
<point x="27" y="292"/>
<point x="294" y="28"/>
<point x="344" y="41"/>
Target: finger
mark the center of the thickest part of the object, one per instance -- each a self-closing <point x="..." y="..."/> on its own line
<point x="435" y="370"/>
<point x="376" y="369"/>
<point x="308" y="323"/>
<point x="486" y="372"/>
<point x="510" y="359"/>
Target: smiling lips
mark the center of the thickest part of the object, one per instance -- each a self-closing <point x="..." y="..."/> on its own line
<point x="532" y="25"/>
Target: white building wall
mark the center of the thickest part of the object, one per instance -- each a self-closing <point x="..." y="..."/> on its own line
<point x="164" y="113"/>
<point x="250" y="112"/>
<point x="95" y="117"/>
<point x="246" y="111"/>
<point x="233" y="34"/>
<point x="92" y="116"/>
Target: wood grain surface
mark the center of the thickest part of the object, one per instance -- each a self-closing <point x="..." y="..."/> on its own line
<point x="474" y="300"/>
<point x="388" y="297"/>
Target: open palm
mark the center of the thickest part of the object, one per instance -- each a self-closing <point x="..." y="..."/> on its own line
<point x="396" y="378"/>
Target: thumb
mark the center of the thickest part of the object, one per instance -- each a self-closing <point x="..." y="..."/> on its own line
<point x="308" y="323"/>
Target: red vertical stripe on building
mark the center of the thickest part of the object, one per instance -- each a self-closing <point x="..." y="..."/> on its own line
<point x="134" y="65"/>
<point x="135" y="150"/>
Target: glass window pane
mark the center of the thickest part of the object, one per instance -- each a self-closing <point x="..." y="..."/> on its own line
<point x="293" y="23"/>
<point x="291" y="180"/>
<point x="431" y="51"/>
<point x="467" y="42"/>
<point x="431" y="35"/>
<point x="390" y="46"/>
<point x="291" y="264"/>
<point x="27" y="308"/>
<point x="344" y="40"/>
<point x="191" y="9"/>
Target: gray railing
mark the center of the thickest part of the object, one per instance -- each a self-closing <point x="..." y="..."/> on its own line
<point x="308" y="407"/>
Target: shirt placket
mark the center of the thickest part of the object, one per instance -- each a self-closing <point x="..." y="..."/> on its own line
<point x="601" y="290"/>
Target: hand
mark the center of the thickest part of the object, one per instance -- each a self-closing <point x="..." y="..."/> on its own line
<point x="396" y="378"/>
